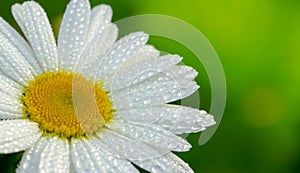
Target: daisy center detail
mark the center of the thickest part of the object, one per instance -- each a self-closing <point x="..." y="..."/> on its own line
<point x="66" y="104"/>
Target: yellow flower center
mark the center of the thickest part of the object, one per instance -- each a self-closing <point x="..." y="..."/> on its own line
<point x="66" y="104"/>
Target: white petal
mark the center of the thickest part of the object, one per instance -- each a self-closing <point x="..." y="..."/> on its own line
<point x="50" y="154"/>
<point x="18" y="16"/>
<point x="100" y="17"/>
<point x="10" y="94"/>
<point x="100" y="38"/>
<point x="55" y="156"/>
<point x="150" y="134"/>
<point x="31" y="157"/>
<point x="36" y="27"/>
<point x="95" y="49"/>
<point x="21" y="45"/>
<point x="126" y="147"/>
<point x="88" y="158"/>
<point x="12" y="62"/>
<point x="122" y="51"/>
<point x="168" y="162"/>
<point x="9" y="115"/>
<point x="174" y="118"/>
<point x="73" y="32"/>
<point x="164" y="87"/>
<point x="10" y="87"/>
<point x="146" y="51"/>
<point x="142" y="67"/>
<point x="17" y="135"/>
<point x="10" y="108"/>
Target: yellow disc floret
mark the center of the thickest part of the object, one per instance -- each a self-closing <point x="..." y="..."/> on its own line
<point x="66" y="104"/>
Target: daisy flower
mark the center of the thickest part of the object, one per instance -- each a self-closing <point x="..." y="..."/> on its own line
<point x="89" y="103"/>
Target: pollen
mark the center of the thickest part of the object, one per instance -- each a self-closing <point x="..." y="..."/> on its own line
<point x="66" y="104"/>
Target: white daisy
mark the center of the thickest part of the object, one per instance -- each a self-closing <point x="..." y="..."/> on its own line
<point x="91" y="103"/>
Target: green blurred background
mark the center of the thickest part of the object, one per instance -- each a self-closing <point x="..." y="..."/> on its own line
<point x="258" y="42"/>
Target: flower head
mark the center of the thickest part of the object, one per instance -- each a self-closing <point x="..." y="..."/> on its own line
<point x="90" y="103"/>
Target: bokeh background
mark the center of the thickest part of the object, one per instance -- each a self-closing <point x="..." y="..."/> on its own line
<point x="258" y="42"/>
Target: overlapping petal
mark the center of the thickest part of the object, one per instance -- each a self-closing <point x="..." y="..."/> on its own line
<point x="50" y="154"/>
<point x="164" y="87"/>
<point x="174" y="118"/>
<point x="123" y="50"/>
<point x="20" y="45"/>
<point x="150" y="134"/>
<point x="168" y="162"/>
<point x="100" y="18"/>
<point x="17" y="135"/>
<point x="138" y="69"/>
<point x="127" y="148"/>
<point x="99" y="160"/>
<point x="10" y="94"/>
